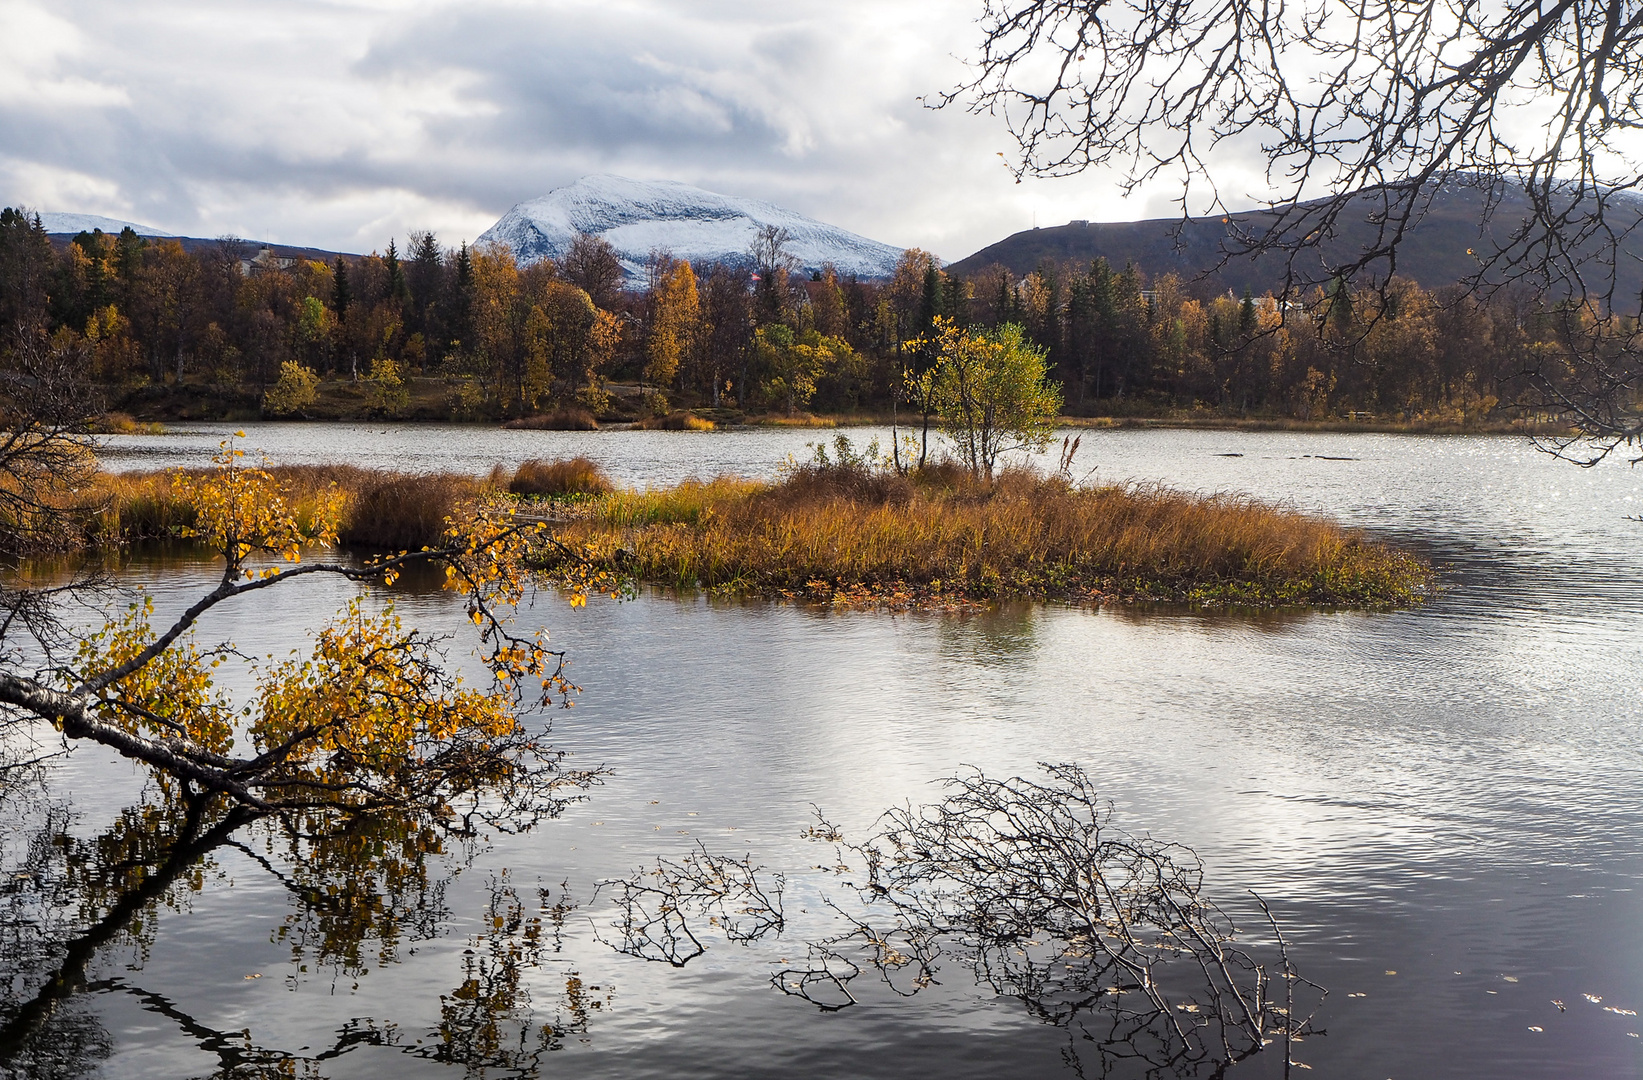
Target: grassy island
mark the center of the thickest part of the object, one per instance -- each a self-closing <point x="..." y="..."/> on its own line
<point x="854" y="533"/>
<point x="859" y="535"/>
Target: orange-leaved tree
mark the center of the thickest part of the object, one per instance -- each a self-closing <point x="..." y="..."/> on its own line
<point x="373" y="718"/>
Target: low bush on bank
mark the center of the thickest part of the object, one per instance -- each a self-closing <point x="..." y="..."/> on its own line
<point x="852" y="532"/>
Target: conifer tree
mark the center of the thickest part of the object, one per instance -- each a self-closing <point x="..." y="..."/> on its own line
<point x="398" y="291"/>
<point x="341" y="293"/>
<point x="462" y="300"/>
<point x="426" y="280"/>
<point x="930" y="303"/>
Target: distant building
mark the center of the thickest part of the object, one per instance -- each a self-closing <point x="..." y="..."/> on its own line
<point x="265" y="260"/>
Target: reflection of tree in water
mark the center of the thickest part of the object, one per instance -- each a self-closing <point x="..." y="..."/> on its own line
<point x="360" y="888"/>
<point x="1101" y="933"/>
<point x="999" y="638"/>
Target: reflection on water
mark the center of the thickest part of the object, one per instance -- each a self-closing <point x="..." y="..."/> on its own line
<point x="1027" y="884"/>
<point x="361" y="894"/>
<point x="1440" y="805"/>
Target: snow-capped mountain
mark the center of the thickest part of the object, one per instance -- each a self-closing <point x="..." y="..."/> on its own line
<point x="640" y="216"/>
<point x="73" y="224"/>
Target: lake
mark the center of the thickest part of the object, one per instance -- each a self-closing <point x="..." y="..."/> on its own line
<point x="1441" y="806"/>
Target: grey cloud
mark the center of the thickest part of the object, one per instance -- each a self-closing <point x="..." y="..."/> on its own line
<point x="341" y="124"/>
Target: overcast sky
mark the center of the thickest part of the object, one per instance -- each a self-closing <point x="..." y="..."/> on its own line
<point x="342" y="124"/>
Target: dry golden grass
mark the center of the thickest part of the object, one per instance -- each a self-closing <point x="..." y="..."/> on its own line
<point x="564" y="476"/>
<point x="832" y="532"/>
<point x="676" y="421"/>
<point x="380" y="509"/>
<point x="571" y="418"/>
<point x="842" y="532"/>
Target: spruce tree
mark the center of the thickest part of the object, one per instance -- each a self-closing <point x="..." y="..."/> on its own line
<point x="930" y="302"/>
<point x="1004" y="304"/>
<point x="461" y="320"/>
<point x="426" y="275"/>
<point x="397" y="289"/>
<point x="341" y="293"/>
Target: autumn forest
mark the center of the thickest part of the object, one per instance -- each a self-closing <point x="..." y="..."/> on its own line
<point x="432" y="332"/>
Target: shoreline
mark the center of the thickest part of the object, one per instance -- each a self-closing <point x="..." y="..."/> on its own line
<point x="147" y="410"/>
<point x="123" y="424"/>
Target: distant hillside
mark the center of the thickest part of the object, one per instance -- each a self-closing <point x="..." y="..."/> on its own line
<point x="63" y="227"/>
<point x="639" y="216"/>
<point x="1434" y="254"/>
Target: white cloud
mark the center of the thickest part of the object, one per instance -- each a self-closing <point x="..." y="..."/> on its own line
<point x="344" y="123"/>
<point x="44" y="187"/>
<point x="34" y="47"/>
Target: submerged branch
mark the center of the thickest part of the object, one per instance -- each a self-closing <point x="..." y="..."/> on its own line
<point x="1028" y="885"/>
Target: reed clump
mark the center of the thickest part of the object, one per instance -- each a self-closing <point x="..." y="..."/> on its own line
<point x="676" y="421"/>
<point x="570" y="418"/>
<point x="402" y="512"/>
<point x="563" y="476"/>
<point x="381" y="509"/>
<point x="861" y="533"/>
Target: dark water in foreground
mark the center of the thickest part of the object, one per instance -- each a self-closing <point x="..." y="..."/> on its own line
<point x="1452" y="794"/>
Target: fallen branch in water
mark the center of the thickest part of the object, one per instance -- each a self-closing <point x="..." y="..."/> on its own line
<point x="1027" y="883"/>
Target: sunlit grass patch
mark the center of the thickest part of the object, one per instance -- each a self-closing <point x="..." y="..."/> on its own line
<point x="676" y="421"/>
<point x="563" y="476"/>
<point x="854" y="534"/>
<point x="842" y="533"/>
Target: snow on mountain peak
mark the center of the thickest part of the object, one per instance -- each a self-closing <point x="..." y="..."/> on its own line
<point x="639" y="216"/>
<point x="59" y="224"/>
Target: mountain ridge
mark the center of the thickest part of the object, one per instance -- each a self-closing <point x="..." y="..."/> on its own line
<point x="693" y="224"/>
<point x="1438" y="251"/>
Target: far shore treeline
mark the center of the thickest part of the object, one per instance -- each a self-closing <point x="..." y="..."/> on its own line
<point x="467" y="333"/>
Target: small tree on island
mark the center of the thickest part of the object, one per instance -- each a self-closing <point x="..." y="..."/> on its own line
<point x="990" y="389"/>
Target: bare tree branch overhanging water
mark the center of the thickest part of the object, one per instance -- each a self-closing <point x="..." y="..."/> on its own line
<point x="1363" y="113"/>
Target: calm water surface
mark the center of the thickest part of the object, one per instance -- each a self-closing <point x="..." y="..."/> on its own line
<point x="1453" y="795"/>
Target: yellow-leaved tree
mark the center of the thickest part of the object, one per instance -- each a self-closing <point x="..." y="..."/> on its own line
<point x="991" y="391"/>
<point x="675" y="323"/>
<point x="372" y="718"/>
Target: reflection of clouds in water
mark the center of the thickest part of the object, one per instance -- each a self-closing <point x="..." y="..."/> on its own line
<point x="1398" y="785"/>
